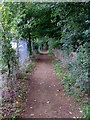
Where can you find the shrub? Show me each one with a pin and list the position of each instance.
(75, 76)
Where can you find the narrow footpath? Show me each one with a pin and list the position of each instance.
(45, 96)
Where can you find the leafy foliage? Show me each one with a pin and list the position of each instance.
(63, 26)
(74, 75)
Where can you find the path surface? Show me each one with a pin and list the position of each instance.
(45, 98)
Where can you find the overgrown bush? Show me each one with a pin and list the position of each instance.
(74, 75)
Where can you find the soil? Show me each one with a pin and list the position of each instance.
(45, 97)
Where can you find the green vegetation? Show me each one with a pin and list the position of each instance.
(74, 77)
(18, 94)
(49, 26)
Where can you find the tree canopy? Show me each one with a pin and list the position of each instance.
(60, 25)
(67, 24)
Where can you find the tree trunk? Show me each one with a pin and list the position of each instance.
(29, 44)
(8, 68)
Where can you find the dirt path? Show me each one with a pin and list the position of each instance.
(45, 98)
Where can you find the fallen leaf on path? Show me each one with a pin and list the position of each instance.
(48, 102)
(35, 100)
(70, 112)
(31, 114)
(74, 117)
(56, 94)
(55, 111)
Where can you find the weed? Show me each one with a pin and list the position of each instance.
(75, 76)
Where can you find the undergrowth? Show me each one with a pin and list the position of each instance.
(74, 77)
(13, 105)
(50, 52)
